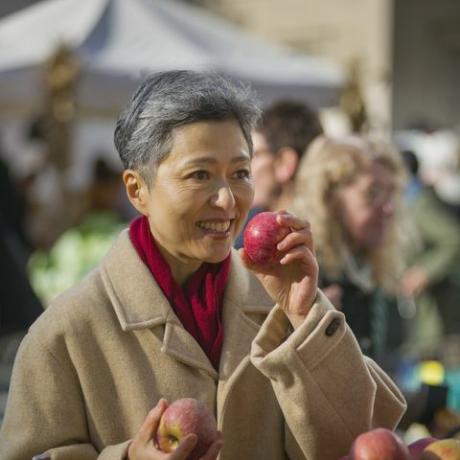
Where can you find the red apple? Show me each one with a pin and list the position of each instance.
(378, 444)
(416, 448)
(444, 449)
(261, 236)
(183, 417)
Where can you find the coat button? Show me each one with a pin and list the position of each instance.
(333, 326)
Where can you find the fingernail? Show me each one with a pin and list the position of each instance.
(161, 403)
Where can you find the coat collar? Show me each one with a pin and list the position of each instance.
(140, 304)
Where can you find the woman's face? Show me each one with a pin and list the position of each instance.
(201, 193)
(366, 206)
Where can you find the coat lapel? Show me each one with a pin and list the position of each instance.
(177, 342)
(139, 303)
(244, 297)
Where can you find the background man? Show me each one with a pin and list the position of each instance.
(280, 139)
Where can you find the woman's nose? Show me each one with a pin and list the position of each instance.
(223, 197)
(388, 208)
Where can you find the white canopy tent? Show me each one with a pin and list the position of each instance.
(117, 41)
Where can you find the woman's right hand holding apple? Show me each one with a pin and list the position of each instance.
(292, 281)
(143, 447)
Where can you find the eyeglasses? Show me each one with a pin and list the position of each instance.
(378, 195)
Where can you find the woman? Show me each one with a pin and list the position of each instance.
(350, 189)
(172, 312)
(430, 278)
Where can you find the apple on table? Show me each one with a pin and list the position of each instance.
(416, 448)
(379, 444)
(443, 449)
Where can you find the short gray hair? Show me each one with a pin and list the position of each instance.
(167, 100)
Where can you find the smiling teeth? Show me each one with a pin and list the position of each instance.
(215, 226)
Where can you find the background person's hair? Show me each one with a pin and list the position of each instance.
(167, 100)
(291, 124)
(329, 164)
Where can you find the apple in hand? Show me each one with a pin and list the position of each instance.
(444, 449)
(183, 417)
(261, 236)
(378, 444)
(416, 448)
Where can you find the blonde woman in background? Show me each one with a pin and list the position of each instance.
(350, 189)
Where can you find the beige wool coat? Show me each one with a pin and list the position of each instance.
(100, 357)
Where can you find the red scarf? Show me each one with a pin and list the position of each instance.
(198, 305)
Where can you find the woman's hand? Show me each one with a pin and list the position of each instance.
(143, 447)
(292, 283)
(413, 282)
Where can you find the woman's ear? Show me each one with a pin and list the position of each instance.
(136, 190)
(286, 163)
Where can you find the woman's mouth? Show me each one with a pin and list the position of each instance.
(215, 227)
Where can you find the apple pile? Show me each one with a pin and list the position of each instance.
(182, 417)
(261, 236)
(383, 444)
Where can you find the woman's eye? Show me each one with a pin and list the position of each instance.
(243, 174)
(200, 175)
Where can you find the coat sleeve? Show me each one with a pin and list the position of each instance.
(326, 388)
(45, 415)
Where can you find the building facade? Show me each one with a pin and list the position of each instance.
(407, 51)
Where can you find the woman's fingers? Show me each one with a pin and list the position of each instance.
(290, 220)
(297, 253)
(296, 248)
(151, 422)
(143, 441)
(301, 254)
(147, 433)
(297, 238)
(213, 450)
(184, 448)
(300, 234)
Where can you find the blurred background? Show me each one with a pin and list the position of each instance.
(386, 68)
